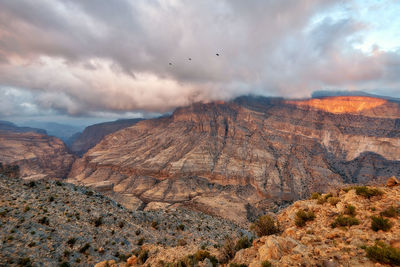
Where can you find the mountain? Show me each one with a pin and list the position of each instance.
(9, 126)
(240, 158)
(321, 94)
(81, 143)
(62, 131)
(37, 155)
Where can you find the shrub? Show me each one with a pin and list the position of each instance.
(242, 243)
(321, 200)
(181, 227)
(44, 220)
(24, 262)
(350, 210)
(266, 264)
(65, 264)
(98, 221)
(228, 250)
(51, 199)
(344, 221)
(26, 209)
(383, 253)
(71, 242)
(84, 248)
(58, 183)
(315, 195)
(265, 225)
(140, 241)
(367, 192)
(143, 256)
(380, 223)
(390, 212)
(121, 224)
(237, 265)
(154, 224)
(201, 255)
(302, 217)
(333, 201)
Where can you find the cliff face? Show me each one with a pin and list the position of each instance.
(37, 155)
(250, 150)
(81, 143)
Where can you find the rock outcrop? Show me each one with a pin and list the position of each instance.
(37, 155)
(82, 142)
(253, 150)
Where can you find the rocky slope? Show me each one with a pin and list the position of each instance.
(93, 134)
(47, 223)
(241, 157)
(316, 242)
(37, 155)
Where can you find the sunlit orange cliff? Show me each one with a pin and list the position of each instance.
(341, 104)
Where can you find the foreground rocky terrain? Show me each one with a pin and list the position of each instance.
(238, 159)
(48, 223)
(356, 226)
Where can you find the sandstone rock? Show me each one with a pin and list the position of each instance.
(132, 261)
(38, 155)
(395, 243)
(392, 181)
(275, 247)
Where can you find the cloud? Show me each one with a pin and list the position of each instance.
(100, 57)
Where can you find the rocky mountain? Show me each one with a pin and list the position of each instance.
(60, 130)
(9, 126)
(239, 158)
(37, 155)
(48, 223)
(81, 143)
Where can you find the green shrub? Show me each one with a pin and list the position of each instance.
(380, 223)
(315, 195)
(265, 225)
(367, 192)
(302, 217)
(383, 253)
(24, 262)
(333, 201)
(321, 200)
(65, 264)
(180, 227)
(154, 224)
(242, 243)
(390, 212)
(350, 210)
(266, 264)
(344, 221)
(228, 250)
(237, 265)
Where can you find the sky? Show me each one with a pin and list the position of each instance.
(79, 61)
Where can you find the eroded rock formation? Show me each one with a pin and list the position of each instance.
(37, 155)
(250, 150)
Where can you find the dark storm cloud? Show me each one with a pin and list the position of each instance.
(80, 57)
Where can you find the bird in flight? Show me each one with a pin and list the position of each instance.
(170, 64)
(190, 58)
(217, 54)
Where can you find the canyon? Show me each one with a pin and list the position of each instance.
(247, 156)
